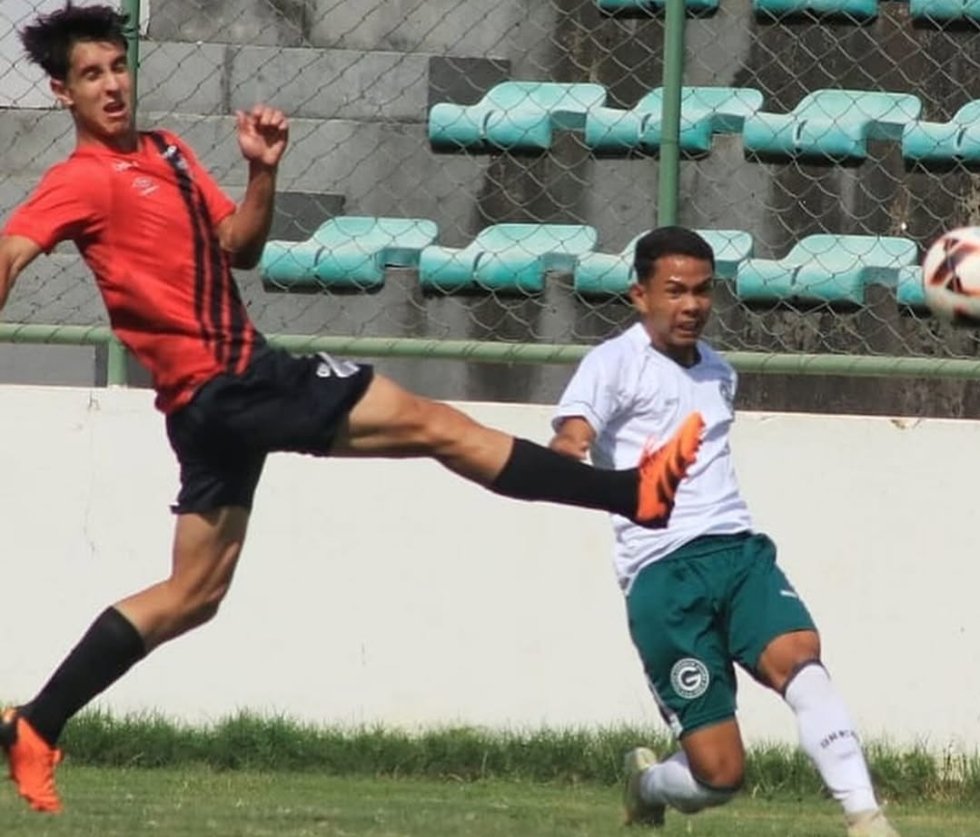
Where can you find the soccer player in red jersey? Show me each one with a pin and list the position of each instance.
(161, 239)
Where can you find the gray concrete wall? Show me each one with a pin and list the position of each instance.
(464, 28)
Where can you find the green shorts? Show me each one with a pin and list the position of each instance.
(716, 601)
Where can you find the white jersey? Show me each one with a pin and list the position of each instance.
(630, 392)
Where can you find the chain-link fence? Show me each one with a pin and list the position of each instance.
(362, 79)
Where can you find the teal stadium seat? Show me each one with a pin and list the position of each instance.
(610, 274)
(705, 111)
(347, 252)
(826, 268)
(832, 124)
(909, 290)
(854, 9)
(944, 10)
(516, 115)
(509, 258)
(626, 7)
(945, 142)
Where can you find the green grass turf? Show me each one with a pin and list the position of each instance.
(120, 802)
(274, 744)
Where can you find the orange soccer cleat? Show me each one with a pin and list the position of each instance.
(662, 469)
(32, 761)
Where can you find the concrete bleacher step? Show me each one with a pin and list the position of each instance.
(306, 83)
(643, 8)
(456, 28)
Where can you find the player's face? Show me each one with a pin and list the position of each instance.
(98, 90)
(674, 302)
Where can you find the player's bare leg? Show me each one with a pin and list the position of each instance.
(389, 421)
(205, 553)
(706, 772)
(206, 550)
(716, 755)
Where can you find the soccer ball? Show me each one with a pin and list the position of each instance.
(951, 276)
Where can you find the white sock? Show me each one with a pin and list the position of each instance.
(671, 783)
(828, 737)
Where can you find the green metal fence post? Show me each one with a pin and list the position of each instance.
(132, 8)
(117, 373)
(673, 80)
(116, 355)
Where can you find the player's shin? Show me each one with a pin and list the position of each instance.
(533, 472)
(110, 647)
(828, 737)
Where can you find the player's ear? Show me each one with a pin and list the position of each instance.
(60, 90)
(638, 296)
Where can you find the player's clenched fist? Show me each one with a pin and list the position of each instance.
(262, 134)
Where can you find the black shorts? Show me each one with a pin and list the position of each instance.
(280, 403)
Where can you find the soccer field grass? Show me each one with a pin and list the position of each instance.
(198, 801)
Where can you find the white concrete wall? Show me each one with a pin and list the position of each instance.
(374, 591)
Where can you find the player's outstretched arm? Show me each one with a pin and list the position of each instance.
(574, 438)
(16, 252)
(263, 134)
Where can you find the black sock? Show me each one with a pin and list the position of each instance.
(110, 647)
(534, 472)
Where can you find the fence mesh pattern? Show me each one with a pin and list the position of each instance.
(800, 118)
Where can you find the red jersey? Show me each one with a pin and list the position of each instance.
(146, 224)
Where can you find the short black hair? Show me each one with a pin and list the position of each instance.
(49, 39)
(669, 241)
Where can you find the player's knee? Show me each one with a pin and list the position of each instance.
(207, 608)
(199, 604)
(191, 612)
(724, 778)
(438, 427)
(706, 796)
(719, 770)
(786, 655)
(414, 422)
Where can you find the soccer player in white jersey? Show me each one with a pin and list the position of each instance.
(704, 593)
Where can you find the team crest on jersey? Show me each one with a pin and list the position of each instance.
(690, 678)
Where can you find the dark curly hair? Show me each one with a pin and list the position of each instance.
(669, 241)
(49, 39)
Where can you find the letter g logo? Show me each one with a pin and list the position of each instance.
(690, 678)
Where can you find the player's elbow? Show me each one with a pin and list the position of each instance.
(242, 245)
(245, 259)
(8, 273)
(572, 448)
(242, 255)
